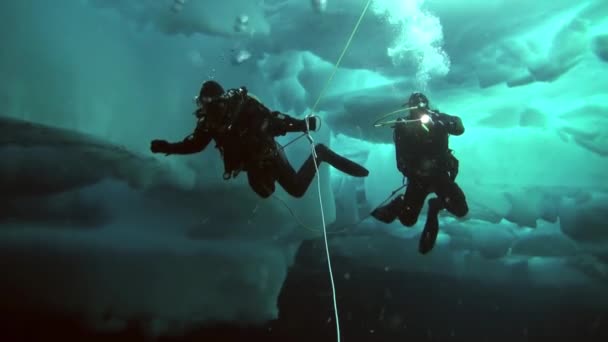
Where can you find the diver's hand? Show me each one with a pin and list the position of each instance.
(312, 123)
(426, 120)
(437, 119)
(159, 146)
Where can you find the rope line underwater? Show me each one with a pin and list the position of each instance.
(314, 152)
(331, 274)
(350, 39)
(377, 123)
(380, 123)
(340, 229)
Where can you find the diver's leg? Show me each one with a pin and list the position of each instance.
(296, 184)
(454, 200)
(407, 206)
(450, 197)
(261, 181)
(413, 201)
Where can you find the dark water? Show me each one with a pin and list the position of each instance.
(374, 305)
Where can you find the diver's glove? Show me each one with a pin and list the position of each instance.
(312, 123)
(160, 146)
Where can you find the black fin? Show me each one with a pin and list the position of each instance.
(389, 212)
(343, 164)
(431, 227)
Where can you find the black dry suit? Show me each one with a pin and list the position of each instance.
(244, 131)
(425, 159)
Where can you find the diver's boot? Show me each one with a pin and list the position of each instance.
(345, 165)
(389, 212)
(431, 227)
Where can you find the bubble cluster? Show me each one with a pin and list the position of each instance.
(419, 37)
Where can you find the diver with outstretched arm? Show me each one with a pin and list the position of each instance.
(244, 131)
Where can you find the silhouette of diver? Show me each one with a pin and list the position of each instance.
(244, 131)
(425, 159)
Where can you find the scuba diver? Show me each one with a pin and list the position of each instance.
(244, 131)
(425, 159)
